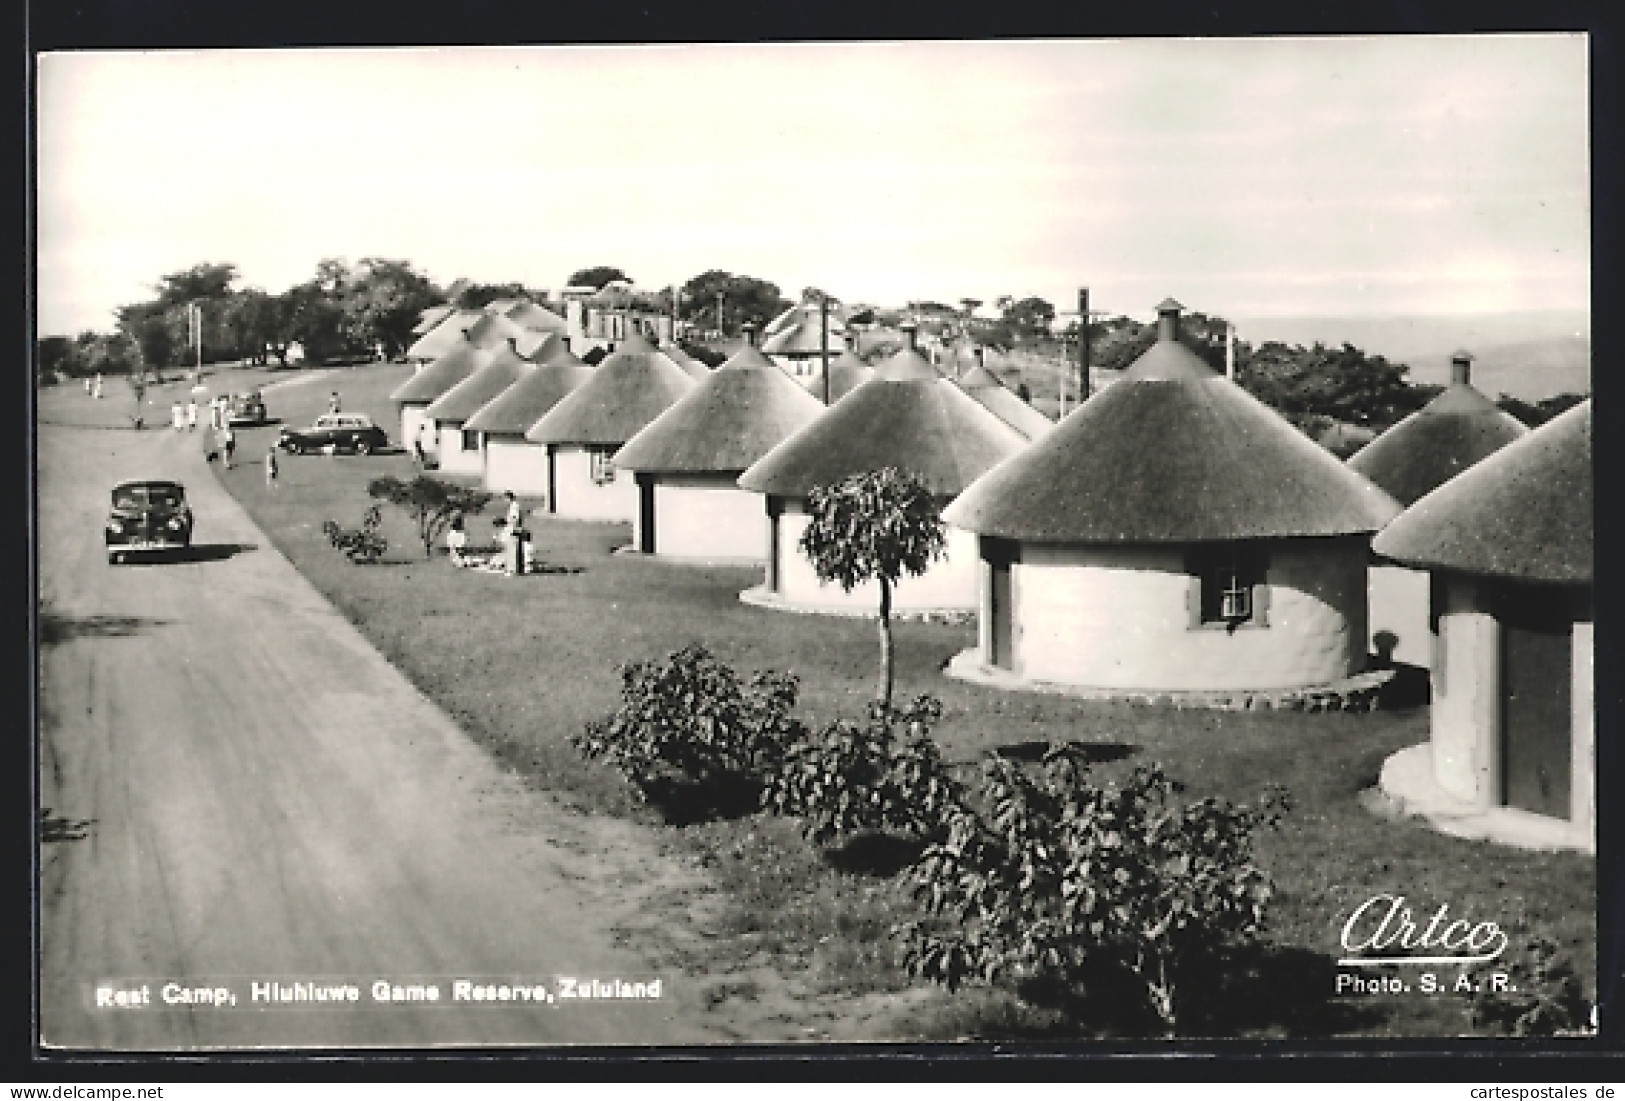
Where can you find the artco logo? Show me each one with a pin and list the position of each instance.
(1381, 931)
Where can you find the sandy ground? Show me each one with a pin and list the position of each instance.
(241, 790)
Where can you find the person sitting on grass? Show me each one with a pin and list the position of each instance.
(457, 543)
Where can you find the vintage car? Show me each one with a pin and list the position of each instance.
(147, 516)
(245, 409)
(334, 432)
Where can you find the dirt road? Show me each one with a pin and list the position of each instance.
(242, 792)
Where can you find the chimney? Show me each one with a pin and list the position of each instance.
(1461, 367)
(911, 332)
(1168, 319)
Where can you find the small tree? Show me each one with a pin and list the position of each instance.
(875, 526)
(431, 503)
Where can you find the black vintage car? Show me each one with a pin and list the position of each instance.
(147, 516)
(335, 432)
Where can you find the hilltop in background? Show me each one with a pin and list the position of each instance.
(1529, 355)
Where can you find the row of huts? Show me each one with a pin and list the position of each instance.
(1172, 534)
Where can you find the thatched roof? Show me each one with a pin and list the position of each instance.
(1522, 513)
(441, 375)
(430, 317)
(985, 387)
(1173, 453)
(695, 369)
(631, 387)
(905, 418)
(540, 319)
(445, 336)
(846, 373)
(505, 367)
(527, 401)
(493, 330)
(1452, 432)
(734, 416)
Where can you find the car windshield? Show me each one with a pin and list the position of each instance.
(165, 495)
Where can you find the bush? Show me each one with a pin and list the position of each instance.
(1543, 997)
(361, 545)
(886, 776)
(431, 504)
(692, 736)
(1065, 881)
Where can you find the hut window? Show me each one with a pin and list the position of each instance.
(1228, 587)
(471, 440)
(603, 471)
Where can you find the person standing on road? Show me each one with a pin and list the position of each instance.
(177, 415)
(333, 402)
(417, 450)
(191, 414)
(228, 444)
(270, 467)
(87, 386)
(96, 388)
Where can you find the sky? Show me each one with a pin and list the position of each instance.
(1244, 177)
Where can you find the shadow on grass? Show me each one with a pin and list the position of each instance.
(684, 802)
(55, 628)
(880, 855)
(59, 828)
(1093, 753)
(1259, 991)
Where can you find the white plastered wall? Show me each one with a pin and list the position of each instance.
(949, 584)
(1465, 714)
(1105, 617)
(580, 498)
(512, 464)
(1399, 607)
(453, 459)
(1583, 795)
(709, 517)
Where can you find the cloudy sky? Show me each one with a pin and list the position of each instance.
(1244, 177)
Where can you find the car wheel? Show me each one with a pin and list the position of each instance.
(363, 447)
(115, 558)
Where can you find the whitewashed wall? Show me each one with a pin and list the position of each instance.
(411, 420)
(1466, 708)
(580, 498)
(1583, 795)
(950, 584)
(709, 517)
(1118, 618)
(512, 464)
(453, 459)
(1399, 606)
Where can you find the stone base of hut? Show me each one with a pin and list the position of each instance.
(1408, 788)
(1360, 692)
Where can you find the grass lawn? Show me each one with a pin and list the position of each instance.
(522, 663)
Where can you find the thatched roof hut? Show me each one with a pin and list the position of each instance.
(528, 400)
(1458, 428)
(445, 335)
(847, 372)
(631, 387)
(985, 387)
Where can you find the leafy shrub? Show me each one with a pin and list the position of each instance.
(361, 545)
(692, 735)
(884, 776)
(430, 503)
(1543, 996)
(1064, 881)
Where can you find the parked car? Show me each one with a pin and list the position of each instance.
(245, 409)
(147, 516)
(337, 431)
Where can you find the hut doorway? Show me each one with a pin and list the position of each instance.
(1536, 704)
(646, 514)
(1001, 597)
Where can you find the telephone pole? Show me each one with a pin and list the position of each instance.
(823, 339)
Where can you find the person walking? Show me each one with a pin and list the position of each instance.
(417, 450)
(333, 402)
(87, 386)
(177, 415)
(191, 414)
(270, 468)
(228, 444)
(96, 388)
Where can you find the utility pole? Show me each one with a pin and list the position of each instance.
(1229, 351)
(1083, 345)
(721, 330)
(823, 339)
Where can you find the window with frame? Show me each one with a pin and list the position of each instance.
(471, 440)
(1229, 586)
(603, 470)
